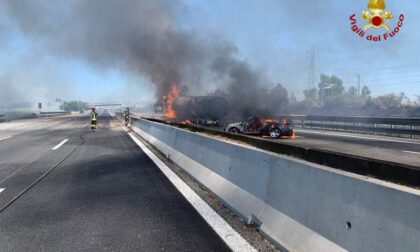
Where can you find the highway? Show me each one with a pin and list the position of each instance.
(399, 150)
(64, 187)
(394, 149)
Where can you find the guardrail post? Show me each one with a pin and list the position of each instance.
(412, 133)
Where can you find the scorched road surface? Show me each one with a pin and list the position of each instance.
(96, 192)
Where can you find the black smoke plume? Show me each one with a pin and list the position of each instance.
(144, 37)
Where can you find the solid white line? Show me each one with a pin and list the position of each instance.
(4, 138)
(219, 225)
(412, 152)
(2, 189)
(361, 137)
(60, 144)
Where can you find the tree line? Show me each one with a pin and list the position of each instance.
(73, 106)
(331, 97)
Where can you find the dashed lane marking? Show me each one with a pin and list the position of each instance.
(4, 138)
(2, 189)
(218, 224)
(60, 144)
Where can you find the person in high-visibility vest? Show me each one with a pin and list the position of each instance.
(93, 116)
(127, 116)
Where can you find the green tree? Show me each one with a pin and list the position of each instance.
(352, 92)
(73, 106)
(365, 94)
(310, 94)
(330, 86)
(390, 101)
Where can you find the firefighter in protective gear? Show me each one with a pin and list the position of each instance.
(93, 116)
(127, 116)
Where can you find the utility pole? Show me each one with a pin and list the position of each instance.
(311, 72)
(358, 89)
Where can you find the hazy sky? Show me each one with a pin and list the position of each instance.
(273, 36)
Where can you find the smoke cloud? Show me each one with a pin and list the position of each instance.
(9, 93)
(134, 35)
(246, 90)
(144, 37)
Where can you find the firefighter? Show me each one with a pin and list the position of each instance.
(127, 116)
(93, 116)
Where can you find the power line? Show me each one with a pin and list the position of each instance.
(395, 78)
(344, 70)
(391, 72)
(394, 84)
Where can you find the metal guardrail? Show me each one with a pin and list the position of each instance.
(50, 114)
(16, 115)
(402, 127)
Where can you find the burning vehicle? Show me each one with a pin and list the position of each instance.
(262, 127)
(201, 110)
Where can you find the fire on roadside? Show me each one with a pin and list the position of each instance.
(293, 136)
(187, 122)
(282, 123)
(169, 99)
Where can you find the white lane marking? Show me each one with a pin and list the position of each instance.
(412, 152)
(219, 225)
(4, 138)
(360, 137)
(2, 189)
(60, 144)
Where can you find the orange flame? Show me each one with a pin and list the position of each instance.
(187, 122)
(266, 120)
(169, 100)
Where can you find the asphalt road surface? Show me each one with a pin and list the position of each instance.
(64, 187)
(400, 150)
(394, 149)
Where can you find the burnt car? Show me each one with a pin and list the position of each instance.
(262, 127)
(203, 122)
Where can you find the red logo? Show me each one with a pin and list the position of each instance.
(377, 18)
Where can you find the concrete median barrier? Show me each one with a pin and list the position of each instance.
(300, 206)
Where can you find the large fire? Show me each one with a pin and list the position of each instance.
(169, 100)
(266, 120)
